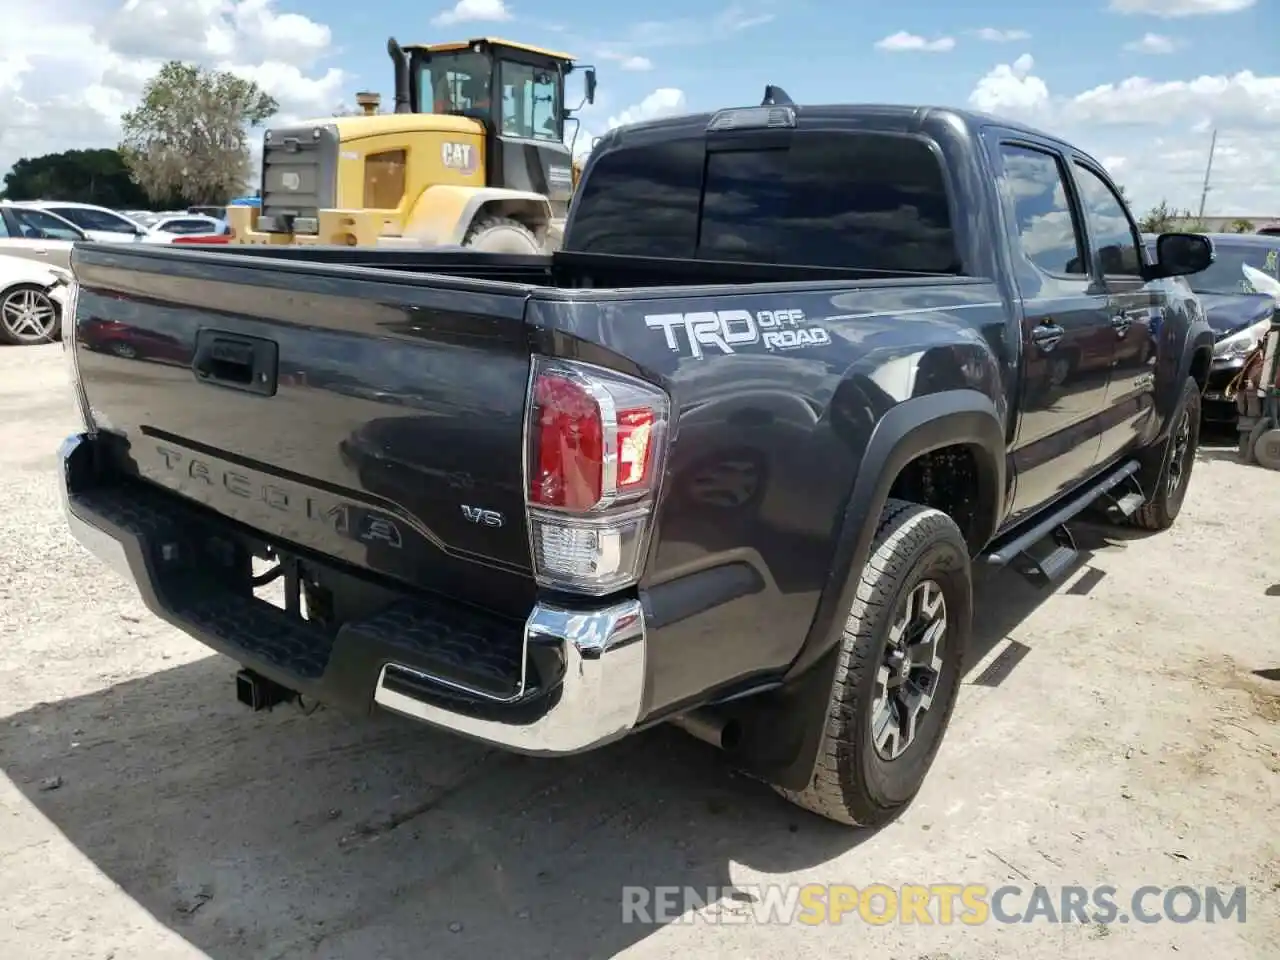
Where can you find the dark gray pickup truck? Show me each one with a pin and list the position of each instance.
(729, 458)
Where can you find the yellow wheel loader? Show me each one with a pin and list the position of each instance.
(474, 155)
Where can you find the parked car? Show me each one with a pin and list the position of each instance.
(166, 229)
(726, 460)
(99, 223)
(1238, 313)
(31, 301)
(37, 235)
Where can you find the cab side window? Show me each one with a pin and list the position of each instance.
(1034, 184)
(1114, 239)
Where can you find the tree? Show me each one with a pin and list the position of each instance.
(1163, 218)
(190, 133)
(81, 176)
(1242, 226)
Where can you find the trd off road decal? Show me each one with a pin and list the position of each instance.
(727, 331)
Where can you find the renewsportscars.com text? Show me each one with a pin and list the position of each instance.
(928, 904)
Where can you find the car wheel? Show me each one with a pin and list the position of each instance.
(126, 351)
(28, 315)
(1162, 507)
(900, 662)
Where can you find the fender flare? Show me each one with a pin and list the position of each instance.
(784, 744)
(443, 214)
(906, 431)
(1200, 338)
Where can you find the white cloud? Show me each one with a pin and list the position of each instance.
(1152, 43)
(470, 11)
(995, 35)
(903, 42)
(1157, 132)
(1010, 88)
(663, 102)
(626, 61)
(1171, 9)
(68, 70)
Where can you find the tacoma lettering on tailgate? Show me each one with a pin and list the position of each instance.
(348, 520)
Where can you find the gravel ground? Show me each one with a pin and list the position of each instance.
(145, 813)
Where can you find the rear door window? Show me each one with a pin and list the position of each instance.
(861, 200)
(1034, 184)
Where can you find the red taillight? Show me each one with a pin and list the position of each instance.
(568, 445)
(596, 442)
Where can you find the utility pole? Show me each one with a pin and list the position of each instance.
(1207, 170)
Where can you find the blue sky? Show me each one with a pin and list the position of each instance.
(1138, 83)
(824, 51)
(919, 51)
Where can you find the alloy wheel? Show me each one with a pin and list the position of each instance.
(912, 667)
(29, 315)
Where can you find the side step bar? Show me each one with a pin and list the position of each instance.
(1046, 552)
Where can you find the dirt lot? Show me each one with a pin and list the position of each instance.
(145, 813)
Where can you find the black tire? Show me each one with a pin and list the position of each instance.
(853, 783)
(22, 339)
(501, 235)
(1179, 457)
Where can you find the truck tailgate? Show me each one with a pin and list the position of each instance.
(371, 416)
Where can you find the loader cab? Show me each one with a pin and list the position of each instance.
(516, 91)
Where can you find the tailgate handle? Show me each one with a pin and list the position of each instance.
(236, 361)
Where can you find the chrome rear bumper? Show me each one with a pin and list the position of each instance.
(597, 697)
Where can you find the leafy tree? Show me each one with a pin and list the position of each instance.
(82, 176)
(1163, 218)
(190, 133)
(1242, 226)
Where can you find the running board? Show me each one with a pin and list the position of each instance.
(1046, 552)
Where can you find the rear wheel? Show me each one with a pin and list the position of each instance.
(901, 658)
(1165, 502)
(501, 235)
(28, 315)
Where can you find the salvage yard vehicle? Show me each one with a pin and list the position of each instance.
(32, 299)
(728, 459)
(474, 155)
(1239, 313)
(37, 235)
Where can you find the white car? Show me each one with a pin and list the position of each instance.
(32, 299)
(36, 235)
(99, 223)
(163, 229)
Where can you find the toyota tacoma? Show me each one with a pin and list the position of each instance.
(728, 459)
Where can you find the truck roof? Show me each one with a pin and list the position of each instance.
(905, 116)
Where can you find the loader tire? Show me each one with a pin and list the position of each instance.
(501, 235)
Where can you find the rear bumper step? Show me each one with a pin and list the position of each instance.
(568, 681)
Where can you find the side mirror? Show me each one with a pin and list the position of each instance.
(591, 84)
(1180, 254)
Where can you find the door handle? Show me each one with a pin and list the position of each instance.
(1047, 335)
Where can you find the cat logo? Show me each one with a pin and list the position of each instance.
(290, 180)
(462, 157)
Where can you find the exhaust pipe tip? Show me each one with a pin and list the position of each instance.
(721, 733)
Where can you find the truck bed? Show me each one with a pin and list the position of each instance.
(400, 391)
